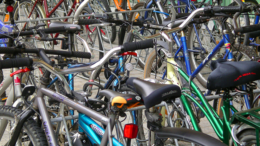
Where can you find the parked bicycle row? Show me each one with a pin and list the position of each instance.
(215, 45)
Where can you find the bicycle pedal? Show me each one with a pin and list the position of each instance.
(2, 101)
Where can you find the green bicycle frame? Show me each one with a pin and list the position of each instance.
(221, 128)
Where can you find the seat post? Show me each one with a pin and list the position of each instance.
(70, 41)
(226, 115)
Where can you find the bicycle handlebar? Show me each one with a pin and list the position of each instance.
(137, 45)
(11, 50)
(46, 30)
(126, 47)
(225, 9)
(247, 29)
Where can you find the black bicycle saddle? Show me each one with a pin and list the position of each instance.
(153, 93)
(67, 26)
(227, 74)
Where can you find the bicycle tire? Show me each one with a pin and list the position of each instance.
(187, 135)
(247, 136)
(35, 133)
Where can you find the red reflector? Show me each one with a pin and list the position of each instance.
(130, 131)
(10, 8)
(194, 0)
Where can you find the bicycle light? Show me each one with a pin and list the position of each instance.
(130, 131)
(129, 67)
(10, 8)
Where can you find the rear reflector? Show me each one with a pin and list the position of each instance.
(130, 131)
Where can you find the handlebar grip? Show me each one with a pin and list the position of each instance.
(247, 29)
(137, 45)
(88, 21)
(18, 62)
(8, 50)
(225, 9)
(69, 54)
(81, 54)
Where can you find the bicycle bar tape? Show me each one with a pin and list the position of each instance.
(247, 29)
(18, 62)
(88, 21)
(137, 45)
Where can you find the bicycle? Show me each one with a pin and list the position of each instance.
(209, 112)
(85, 114)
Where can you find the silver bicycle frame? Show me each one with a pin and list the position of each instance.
(14, 93)
(40, 104)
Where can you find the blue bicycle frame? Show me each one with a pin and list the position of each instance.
(93, 130)
(86, 124)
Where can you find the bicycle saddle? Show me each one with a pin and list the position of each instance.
(153, 93)
(67, 26)
(227, 74)
(110, 94)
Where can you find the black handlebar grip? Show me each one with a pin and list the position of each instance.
(225, 9)
(137, 45)
(81, 55)
(247, 29)
(18, 62)
(88, 21)
(8, 50)
(69, 54)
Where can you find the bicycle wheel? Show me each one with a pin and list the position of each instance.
(168, 136)
(100, 7)
(22, 11)
(193, 43)
(30, 135)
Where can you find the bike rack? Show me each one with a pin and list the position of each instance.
(246, 117)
